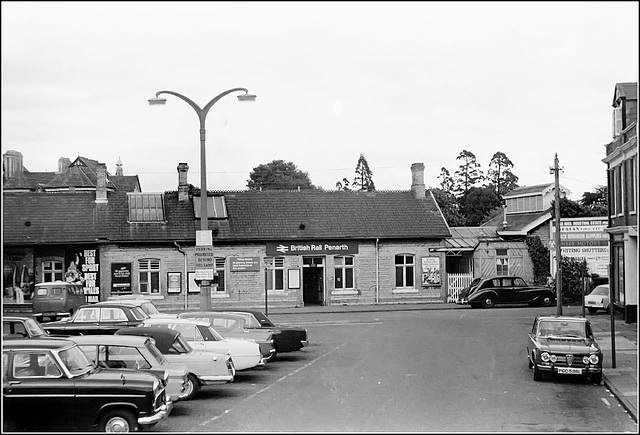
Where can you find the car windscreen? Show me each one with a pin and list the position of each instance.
(562, 328)
(600, 291)
(75, 360)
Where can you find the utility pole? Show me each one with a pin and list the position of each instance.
(555, 169)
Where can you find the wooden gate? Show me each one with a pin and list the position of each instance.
(455, 283)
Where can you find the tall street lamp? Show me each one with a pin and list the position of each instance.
(205, 239)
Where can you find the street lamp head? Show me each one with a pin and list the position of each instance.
(247, 97)
(157, 101)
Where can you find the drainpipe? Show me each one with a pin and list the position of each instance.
(186, 289)
(377, 271)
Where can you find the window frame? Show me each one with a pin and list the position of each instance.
(407, 269)
(274, 270)
(342, 270)
(146, 267)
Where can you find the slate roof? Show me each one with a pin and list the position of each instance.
(516, 221)
(66, 217)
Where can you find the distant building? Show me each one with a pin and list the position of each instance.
(622, 182)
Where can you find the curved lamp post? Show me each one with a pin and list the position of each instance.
(205, 289)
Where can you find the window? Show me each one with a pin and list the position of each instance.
(88, 315)
(220, 270)
(617, 119)
(404, 270)
(112, 315)
(343, 272)
(146, 207)
(633, 181)
(34, 365)
(51, 271)
(274, 273)
(149, 270)
(502, 262)
(216, 207)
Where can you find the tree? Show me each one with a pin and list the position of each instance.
(478, 204)
(449, 207)
(364, 175)
(597, 202)
(500, 175)
(278, 175)
(447, 182)
(468, 174)
(363, 179)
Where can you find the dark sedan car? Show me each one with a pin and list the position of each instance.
(49, 383)
(564, 345)
(21, 327)
(98, 318)
(506, 289)
(286, 338)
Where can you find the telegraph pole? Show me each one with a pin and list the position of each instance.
(555, 169)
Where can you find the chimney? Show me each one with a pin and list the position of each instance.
(101, 183)
(183, 186)
(63, 164)
(417, 180)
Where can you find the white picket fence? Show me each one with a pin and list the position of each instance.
(455, 283)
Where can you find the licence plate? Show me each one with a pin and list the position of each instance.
(569, 371)
(591, 302)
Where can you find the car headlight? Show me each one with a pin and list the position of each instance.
(553, 358)
(593, 359)
(545, 357)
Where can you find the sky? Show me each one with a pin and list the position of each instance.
(399, 82)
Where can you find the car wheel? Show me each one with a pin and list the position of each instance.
(592, 310)
(192, 387)
(596, 378)
(546, 301)
(537, 374)
(118, 420)
(488, 302)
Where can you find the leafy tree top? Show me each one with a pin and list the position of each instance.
(278, 175)
(468, 174)
(363, 179)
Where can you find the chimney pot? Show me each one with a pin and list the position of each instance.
(417, 180)
(183, 186)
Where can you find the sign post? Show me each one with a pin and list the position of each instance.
(205, 264)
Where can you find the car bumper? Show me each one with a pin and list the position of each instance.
(217, 379)
(555, 369)
(304, 343)
(462, 301)
(160, 415)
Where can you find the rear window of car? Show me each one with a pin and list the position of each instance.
(138, 313)
(600, 291)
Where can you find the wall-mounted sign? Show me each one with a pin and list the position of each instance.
(204, 257)
(584, 239)
(430, 271)
(120, 278)
(310, 248)
(174, 282)
(83, 266)
(244, 264)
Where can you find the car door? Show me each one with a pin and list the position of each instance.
(86, 321)
(507, 293)
(523, 291)
(112, 319)
(35, 385)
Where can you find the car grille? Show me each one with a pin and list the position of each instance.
(570, 360)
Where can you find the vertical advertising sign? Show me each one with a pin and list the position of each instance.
(120, 278)
(83, 266)
(585, 239)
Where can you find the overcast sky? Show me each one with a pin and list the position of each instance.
(400, 82)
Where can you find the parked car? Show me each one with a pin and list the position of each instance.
(146, 305)
(564, 345)
(98, 318)
(49, 383)
(56, 299)
(201, 336)
(204, 368)
(232, 325)
(598, 299)
(464, 293)
(135, 352)
(507, 289)
(21, 327)
(286, 338)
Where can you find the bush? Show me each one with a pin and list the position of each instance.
(574, 272)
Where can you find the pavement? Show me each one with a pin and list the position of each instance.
(621, 380)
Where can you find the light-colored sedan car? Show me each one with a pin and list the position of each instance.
(205, 368)
(202, 336)
(146, 305)
(135, 352)
(232, 325)
(598, 299)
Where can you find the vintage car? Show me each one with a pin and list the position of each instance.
(464, 293)
(564, 345)
(286, 338)
(598, 299)
(98, 318)
(49, 383)
(21, 327)
(507, 289)
(146, 305)
(232, 325)
(204, 368)
(201, 336)
(135, 352)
